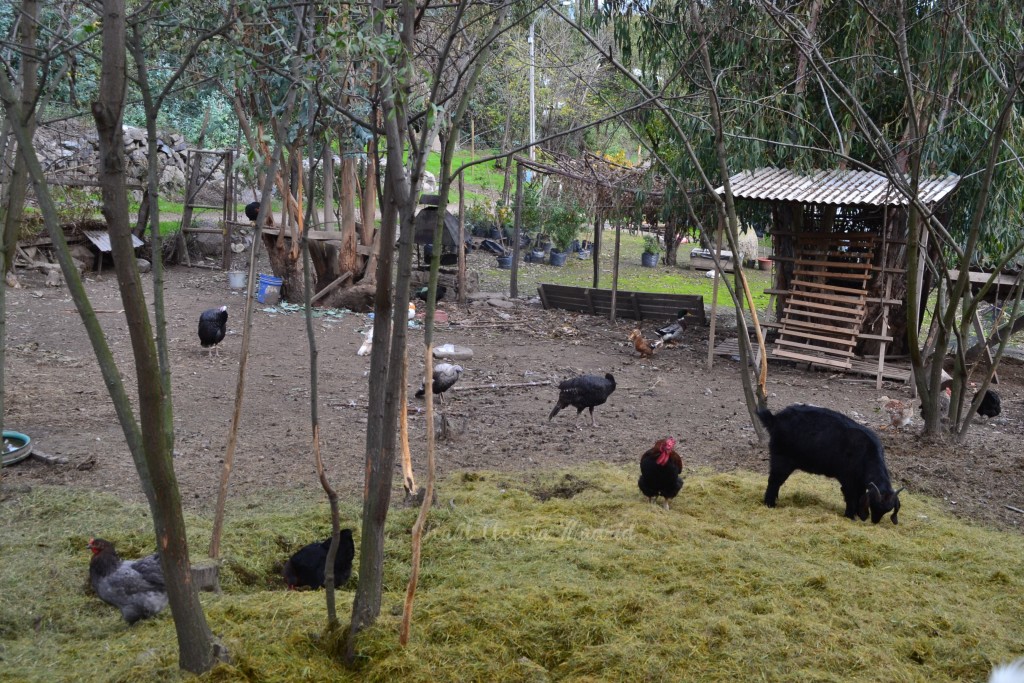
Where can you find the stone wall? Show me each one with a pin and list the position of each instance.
(71, 154)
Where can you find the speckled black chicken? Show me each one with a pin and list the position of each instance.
(136, 587)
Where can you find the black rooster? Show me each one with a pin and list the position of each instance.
(136, 587)
(445, 376)
(660, 468)
(213, 324)
(585, 391)
(308, 566)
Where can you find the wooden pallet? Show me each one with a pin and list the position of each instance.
(826, 302)
(635, 305)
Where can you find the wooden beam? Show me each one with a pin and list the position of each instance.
(615, 270)
(330, 288)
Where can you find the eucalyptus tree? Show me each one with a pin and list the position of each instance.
(908, 89)
(427, 79)
(939, 90)
(146, 436)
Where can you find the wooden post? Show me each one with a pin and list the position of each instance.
(714, 297)
(472, 139)
(328, 171)
(595, 249)
(885, 325)
(615, 269)
(514, 284)
(229, 196)
(461, 282)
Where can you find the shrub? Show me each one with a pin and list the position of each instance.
(563, 222)
(652, 244)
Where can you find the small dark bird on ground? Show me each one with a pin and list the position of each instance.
(252, 211)
(421, 293)
(660, 468)
(585, 391)
(990, 406)
(445, 377)
(213, 325)
(308, 566)
(136, 587)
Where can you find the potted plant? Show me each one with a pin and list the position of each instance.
(652, 250)
(563, 223)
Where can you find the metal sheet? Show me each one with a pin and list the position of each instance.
(832, 187)
(101, 238)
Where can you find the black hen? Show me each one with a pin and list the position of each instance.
(445, 376)
(308, 566)
(213, 325)
(252, 211)
(136, 587)
(585, 391)
(990, 404)
(421, 293)
(660, 468)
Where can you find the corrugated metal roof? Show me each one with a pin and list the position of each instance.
(832, 187)
(101, 238)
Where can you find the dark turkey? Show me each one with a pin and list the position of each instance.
(252, 211)
(990, 406)
(585, 391)
(213, 325)
(308, 566)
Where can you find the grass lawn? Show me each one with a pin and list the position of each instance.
(632, 276)
(601, 586)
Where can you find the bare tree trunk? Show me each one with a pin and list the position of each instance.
(348, 259)
(27, 30)
(195, 641)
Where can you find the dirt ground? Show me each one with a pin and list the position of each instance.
(56, 395)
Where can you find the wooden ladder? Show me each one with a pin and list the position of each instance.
(825, 307)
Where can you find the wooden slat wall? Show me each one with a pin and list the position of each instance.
(826, 303)
(649, 306)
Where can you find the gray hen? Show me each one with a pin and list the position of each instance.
(136, 587)
(445, 377)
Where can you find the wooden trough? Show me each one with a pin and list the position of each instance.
(633, 305)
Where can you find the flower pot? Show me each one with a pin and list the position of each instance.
(557, 258)
(648, 260)
(505, 262)
(764, 263)
(495, 234)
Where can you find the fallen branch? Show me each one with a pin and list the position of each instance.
(97, 310)
(1017, 510)
(513, 385)
(47, 458)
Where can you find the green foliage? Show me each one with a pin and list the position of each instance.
(478, 216)
(652, 245)
(76, 205)
(563, 221)
(706, 591)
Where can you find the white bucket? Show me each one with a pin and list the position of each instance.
(237, 278)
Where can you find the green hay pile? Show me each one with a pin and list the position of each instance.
(548, 577)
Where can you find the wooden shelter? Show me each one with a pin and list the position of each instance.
(840, 255)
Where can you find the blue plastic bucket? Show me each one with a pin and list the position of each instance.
(269, 289)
